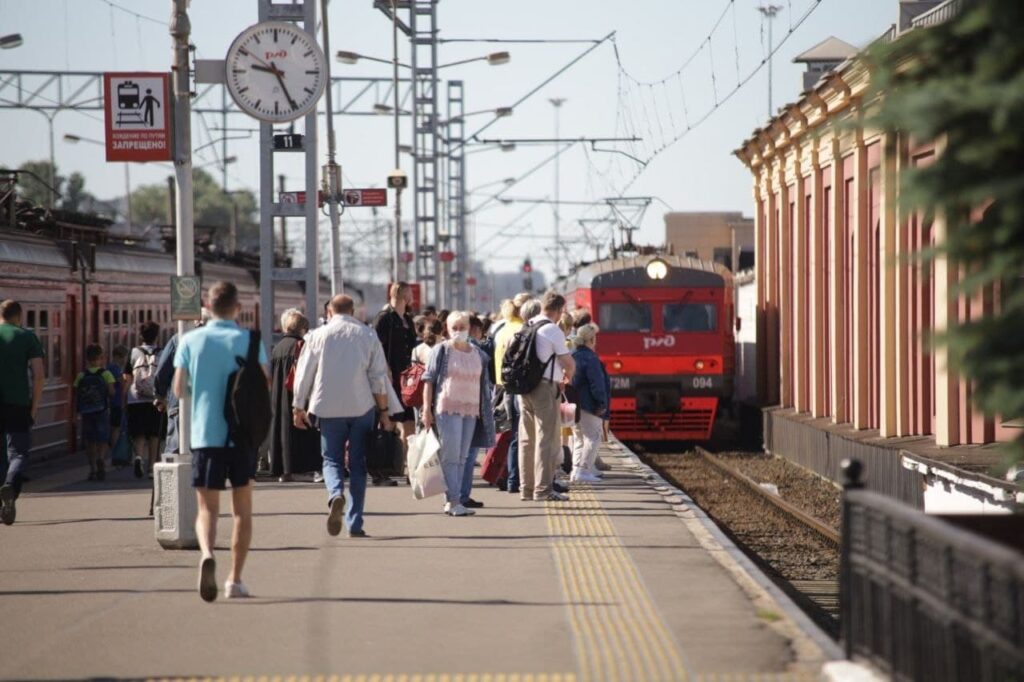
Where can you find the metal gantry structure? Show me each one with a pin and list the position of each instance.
(456, 194)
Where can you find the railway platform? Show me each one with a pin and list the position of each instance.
(624, 582)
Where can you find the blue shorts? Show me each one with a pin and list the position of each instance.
(213, 467)
(96, 427)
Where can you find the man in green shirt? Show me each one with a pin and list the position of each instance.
(20, 351)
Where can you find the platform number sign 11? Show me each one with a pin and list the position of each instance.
(275, 71)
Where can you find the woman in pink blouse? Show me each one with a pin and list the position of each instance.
(456, 394)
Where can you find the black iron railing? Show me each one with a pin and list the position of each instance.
(924, 600)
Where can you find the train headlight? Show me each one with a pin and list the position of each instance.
(699, 364)
(657, 269)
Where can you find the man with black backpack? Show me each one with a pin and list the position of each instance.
(224, 369)
(536, 363)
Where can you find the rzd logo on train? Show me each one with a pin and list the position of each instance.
(659, 342)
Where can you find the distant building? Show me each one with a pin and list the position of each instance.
(822, 58)
(724, 237)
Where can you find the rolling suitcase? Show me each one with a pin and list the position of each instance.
(495, 464)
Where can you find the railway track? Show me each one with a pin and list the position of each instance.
(800, 550)
(824, 530)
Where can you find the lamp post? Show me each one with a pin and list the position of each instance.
(75, 139)
(557, 103)
(769, 12)
(10, 41)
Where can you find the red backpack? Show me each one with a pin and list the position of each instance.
(289, 381)
(412, 385)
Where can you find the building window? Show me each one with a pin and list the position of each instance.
(624, 317)
(723, 255)
(691, 317)
(746, 259)
(692, 254)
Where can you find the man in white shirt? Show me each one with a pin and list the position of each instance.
(341, 379)
(540, 445)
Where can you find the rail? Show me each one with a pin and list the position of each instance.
(938, 14)
(803, 518)
(924, 600)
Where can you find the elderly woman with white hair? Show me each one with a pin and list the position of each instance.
(292, 450)
(457, 398)
(593, 394)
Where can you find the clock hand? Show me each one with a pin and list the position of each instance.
(280, 79)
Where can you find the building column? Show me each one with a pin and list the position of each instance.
(947, 384)
(902, 264)
(837, 306)
(888, 267)
(801, 314)
(760, 228)
(785, 307)
(771, 266)
(860, 260)
(819, 373)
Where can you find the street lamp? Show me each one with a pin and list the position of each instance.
(10, 41)
(493, 59)
(75, 139)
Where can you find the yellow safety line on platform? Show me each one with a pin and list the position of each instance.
(389, 677)
(619, 635)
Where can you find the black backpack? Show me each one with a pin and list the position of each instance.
(247, 402)
(521, 368)
(92, 393)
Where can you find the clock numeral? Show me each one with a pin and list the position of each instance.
(308, 90)
(307, 54)
(242, 50)
(275, 35)
(294, 38)
(257, 105)
(241, 90)
(314, 72)
(275, 108)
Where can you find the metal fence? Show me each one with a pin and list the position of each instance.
(924, 600)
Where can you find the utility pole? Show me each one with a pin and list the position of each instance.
(284, 221)
(557, 102)
(174, 508)
(331, 171)
(396, 264)
(769, 12)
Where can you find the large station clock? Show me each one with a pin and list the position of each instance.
(275, 71)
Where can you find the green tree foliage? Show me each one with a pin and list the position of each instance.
(213, 208)
(74, 195)
(35, 185)
(963, 82)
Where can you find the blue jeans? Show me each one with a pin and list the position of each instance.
(456, 433)
(335, 434)
(467, 474)
(16, 426)
(512, 406)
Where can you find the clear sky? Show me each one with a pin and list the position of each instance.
(654, 38)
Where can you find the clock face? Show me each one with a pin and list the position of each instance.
(276, 72)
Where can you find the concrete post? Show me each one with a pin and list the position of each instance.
(174, 503)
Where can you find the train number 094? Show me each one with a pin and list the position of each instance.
(703, 382)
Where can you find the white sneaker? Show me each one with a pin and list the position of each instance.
(318, 477)
(459, 510)
(552, 497)
(235, 590)
(587, 477)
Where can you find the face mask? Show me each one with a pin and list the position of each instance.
(462, 336)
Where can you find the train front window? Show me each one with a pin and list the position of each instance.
(624, 317)
(691, 317)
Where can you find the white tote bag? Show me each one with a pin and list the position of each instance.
(425, 465)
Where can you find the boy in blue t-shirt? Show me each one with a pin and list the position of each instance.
(94, 389)
(204, 361)
(119, 358)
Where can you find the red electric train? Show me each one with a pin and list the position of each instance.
(129, 286)
(666, 338)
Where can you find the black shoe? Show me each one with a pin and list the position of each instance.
(472, 504)
(101, 471)
(208, 579)
(513, 489)
(385, 482)
(357, 534)
(91, 476)
(558, 487)
(138, 467)
(502, 484)
(8, 512)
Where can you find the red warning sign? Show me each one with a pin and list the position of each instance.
(137, 111)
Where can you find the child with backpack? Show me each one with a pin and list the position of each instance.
(94, 390)
(145, 421)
